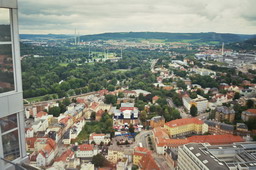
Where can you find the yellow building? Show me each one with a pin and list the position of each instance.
(180, 127)
(115, 154)
(139, 152)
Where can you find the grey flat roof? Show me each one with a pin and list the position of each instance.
(203, 155)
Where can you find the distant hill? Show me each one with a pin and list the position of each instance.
(44, 36)
(169, 37)
(249, 44)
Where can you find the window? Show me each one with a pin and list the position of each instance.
(10, 137)
(6, 59)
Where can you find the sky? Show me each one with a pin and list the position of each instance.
(99, 16)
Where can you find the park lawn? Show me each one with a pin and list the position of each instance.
(120, 70)
(35, 99)
(38, 98)
(63, 64)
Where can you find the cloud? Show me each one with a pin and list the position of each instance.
(97, 16)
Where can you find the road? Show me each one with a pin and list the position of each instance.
(153, 65)
(142, 138)
(170, 102)
(60, 99)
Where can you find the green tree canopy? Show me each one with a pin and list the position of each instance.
(193, 110)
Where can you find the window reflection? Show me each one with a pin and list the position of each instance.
(6, 68)
(5, 30)
(11, 145)
(9, 122)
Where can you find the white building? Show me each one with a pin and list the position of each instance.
(200, 102)
(86, 151)
(98, 138)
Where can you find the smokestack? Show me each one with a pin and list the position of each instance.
(222, 51)
(75, 36)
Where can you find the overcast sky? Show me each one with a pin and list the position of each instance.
(99, 16)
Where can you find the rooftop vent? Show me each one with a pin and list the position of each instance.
(205, 161)
(191, 148)
(198, 154)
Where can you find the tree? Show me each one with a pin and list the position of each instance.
(110, 99)
(99, 160)
(66, 101)
(120, 95)
(250, 104)
(55, 111)
(236, 96)
(143, 116)
(93, 115)
(193, 110)
(111, 87)
(131, 128)
(93, 142)
(181, 84)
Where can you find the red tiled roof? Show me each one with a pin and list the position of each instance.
(100, 112)
(216, 139)
(155, 98)
(140, 151)
(68, 154)
(80, 100)
(148, 163)
(85, 147)
(64, 120)
(185, 121)
(94, 105)
(41, 114)
(253, 111)
(31, 142)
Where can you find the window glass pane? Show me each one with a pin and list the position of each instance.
(6, 68)
(11, 145)
(8, 123)
(5, 29)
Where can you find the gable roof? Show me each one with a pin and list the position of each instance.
(85, 147)
(148, 163)
(184, 121)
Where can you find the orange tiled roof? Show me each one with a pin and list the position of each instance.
(68, 154)
(140, 151)
(94, 105)
(185, 121)
(64, 120)
(155, 98)
(41, 114)
(31, 142)
(148, 163)
(85, 147)
(216, 139)
(253, 111)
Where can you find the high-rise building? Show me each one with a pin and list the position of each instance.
(12, 135)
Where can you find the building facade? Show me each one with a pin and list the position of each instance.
(181, 127)
(200, 102)
(12, 131)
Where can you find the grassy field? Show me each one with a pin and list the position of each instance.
(38, 99)
(120, 70)
(63, 64)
